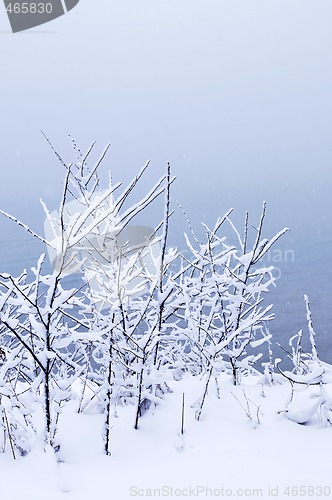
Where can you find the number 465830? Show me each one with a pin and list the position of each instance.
(29, 8)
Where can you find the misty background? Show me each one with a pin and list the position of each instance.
(235, 94)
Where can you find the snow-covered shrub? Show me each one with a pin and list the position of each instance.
(84, 235)
(223, 301)
(130, 320)
(142, 315)
(310, 379)
(33, 316)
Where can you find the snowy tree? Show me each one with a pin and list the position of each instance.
(308, 379)
(223, 292)
(33, 318)
(43, 317)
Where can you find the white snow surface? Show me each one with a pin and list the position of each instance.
(224, 452)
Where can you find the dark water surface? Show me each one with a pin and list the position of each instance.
(302, 257)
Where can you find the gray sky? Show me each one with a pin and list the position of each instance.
(232, 92)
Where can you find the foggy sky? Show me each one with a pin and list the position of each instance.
(233, 93)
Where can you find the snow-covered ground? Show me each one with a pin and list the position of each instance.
(225, 454)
